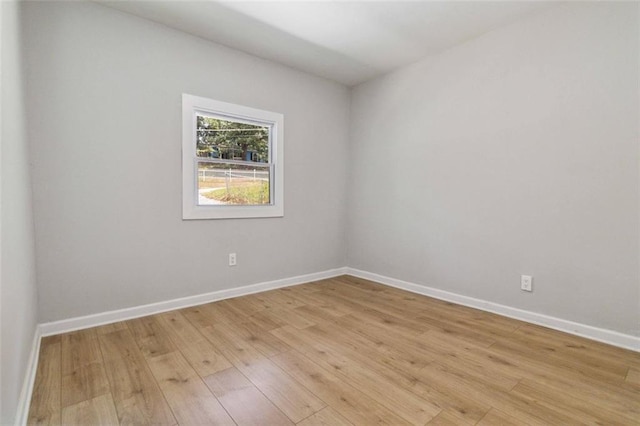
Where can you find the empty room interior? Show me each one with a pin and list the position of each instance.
(320, 213)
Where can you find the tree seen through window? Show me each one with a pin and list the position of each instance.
(232, 140)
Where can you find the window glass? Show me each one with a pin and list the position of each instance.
(231, 160)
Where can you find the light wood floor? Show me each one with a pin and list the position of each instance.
(334, 352)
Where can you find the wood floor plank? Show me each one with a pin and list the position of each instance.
(110, 328)
(45, 405)
(403, 357)
(282, 317)
(243, 401)
(373, 298)
(360, 372)
(346, 400)
(265, 302)
(85, 382)
(282, 299)
(201, 354)
(180, 330)
(49, 419)
(519, 365)
(50, 340)
(96, 411)
(151, 337)
(328, 304)
(429, 346)
(616, 396)
(461, 332)
(262, 321)
(224, 311)
(187, 395)
(389, 301)
(450, 418)
(289, 396)
(316, 315)
(249, 305)
(581, 363)
(441, 311)
(416, 304)
(633, 376)
(303, 289)
(199, 316)
(602, 394)
(455, 354)
(572, 344)
(498, 418)
(83, 375)
(365, 311)
(136, 394)
(526, 411)
(410, 375)
(231, 313)
(205, 358)
(325, 417)
(482, 333)
(400, 303)
(79, 348)
(579, 409)
(260, 339)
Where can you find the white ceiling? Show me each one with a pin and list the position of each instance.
(346, 41)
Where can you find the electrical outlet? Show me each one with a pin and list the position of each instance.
(526, 283)
(232, 259)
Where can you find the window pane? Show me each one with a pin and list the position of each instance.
(231, 140)
(233, 184)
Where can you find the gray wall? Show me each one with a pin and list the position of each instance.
(105, 99)
(515, 153)
(18, 303)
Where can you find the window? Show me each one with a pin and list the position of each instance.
(231, 160)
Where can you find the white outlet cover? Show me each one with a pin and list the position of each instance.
(526, 283)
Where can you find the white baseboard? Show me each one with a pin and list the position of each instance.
(24, 401)
(594, 333)
(602, 335)
(108, 317)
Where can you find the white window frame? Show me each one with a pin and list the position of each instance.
(191, 107)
